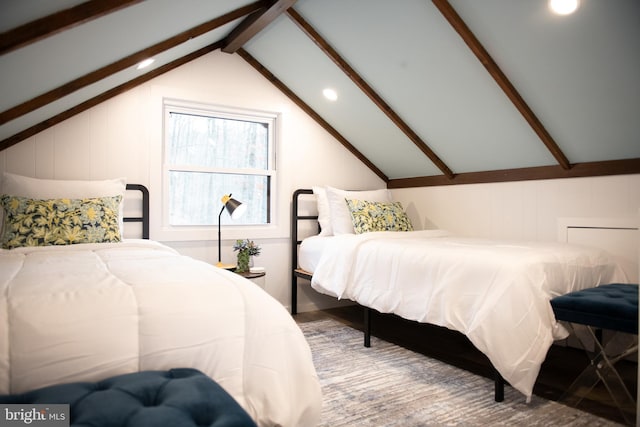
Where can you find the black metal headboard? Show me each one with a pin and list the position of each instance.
(297, 272)
(144, 219)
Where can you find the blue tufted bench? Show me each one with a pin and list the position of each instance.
(613, 307)
(177, 398)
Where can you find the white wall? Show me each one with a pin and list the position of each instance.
(520, 210)
(123, 137)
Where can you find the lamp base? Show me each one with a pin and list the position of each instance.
(226, 266)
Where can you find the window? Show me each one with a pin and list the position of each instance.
(210, 152)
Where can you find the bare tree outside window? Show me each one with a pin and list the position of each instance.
(211, 153)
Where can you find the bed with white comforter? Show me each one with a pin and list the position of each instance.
(89, 311)
(497, 293)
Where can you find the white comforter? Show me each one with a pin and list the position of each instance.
(496, 293)
(86, 312)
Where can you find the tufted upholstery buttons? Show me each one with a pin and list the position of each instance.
(178, 398)
(613, 306)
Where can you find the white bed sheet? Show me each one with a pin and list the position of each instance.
(87, 312)
(496, 293)
(311, 250)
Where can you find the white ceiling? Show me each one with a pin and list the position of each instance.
(579, 74)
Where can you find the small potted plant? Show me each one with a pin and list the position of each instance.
(246, 249)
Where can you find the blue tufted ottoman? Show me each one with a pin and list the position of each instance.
(177, 398)
(613, 307)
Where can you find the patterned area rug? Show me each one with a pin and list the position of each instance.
(388, 385)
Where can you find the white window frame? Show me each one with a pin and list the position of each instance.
(168, 232)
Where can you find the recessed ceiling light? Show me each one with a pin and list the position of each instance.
(563, 7)
(145, 63)
(330, 94)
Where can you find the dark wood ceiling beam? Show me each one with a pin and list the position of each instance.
(129, 61)
(310, 111)
(27, 133)
(255, 23)
(578, 170)
(505, 84)
(49, 25)
(368, 90)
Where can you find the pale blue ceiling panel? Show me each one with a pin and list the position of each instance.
(88, 92)
(294, 59)
(62, 57)
(579, 73)
(14, 13)
(413, 58)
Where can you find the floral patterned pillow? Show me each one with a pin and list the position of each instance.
(378, 216)
(33, 222)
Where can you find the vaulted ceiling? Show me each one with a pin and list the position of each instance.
(430, 92)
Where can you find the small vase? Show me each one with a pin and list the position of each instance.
(243, 262)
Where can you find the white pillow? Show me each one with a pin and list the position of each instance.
(341, 221)
(324, 212)
(35, 188)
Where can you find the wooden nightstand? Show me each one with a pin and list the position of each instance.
(257, 278)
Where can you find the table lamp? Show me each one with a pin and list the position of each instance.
(236, 210)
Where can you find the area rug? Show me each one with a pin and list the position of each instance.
(388, 385)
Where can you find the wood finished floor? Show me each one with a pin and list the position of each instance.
(560, 368)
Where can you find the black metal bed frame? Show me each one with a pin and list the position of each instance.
(298, 273)
(144, 219)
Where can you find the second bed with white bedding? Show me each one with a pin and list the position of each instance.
(497, 293)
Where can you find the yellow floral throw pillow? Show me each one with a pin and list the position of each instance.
(378, 216)
(32, 222)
